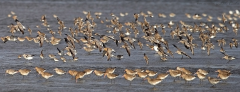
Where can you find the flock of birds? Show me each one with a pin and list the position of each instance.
(83, 35)
(130, 75)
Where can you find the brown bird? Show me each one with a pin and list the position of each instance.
(98, 73)
(151, 73)
(24, 72)
(184, 70)
(200, 76)
(223, 71)
(46, 75)
(11, 71)
(40, 70)
(213, 81)
(21, 39)
(202, 71)
(111, 76)
(228, 57)
(153, 82)
(110, 70)
(59, 71)
(146, 58)
(142, 74)
(88, 71)
(73, 72)
(80, 75)
(129, 77)
(130, 72)
(174, 73)
(187, 77)
(224, 76)
(140, 44)
(162, 76)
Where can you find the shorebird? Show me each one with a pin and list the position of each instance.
(24, 72)
(153, 82)
(51, 56)
(98, 73)
(224, 76)
(40, 70)
(29, 38)
(108, 52)
(73, 72)
(80, 75)
(202, 71)
(142, 74)
(130, 72)
(11, 71)
(187, 77)
(110, 70)
(129, 77)
(180, 52)
(227, 57)
(221, 41)
(10, 38)
(174, 73)
(146, 58)
(151, 73)
(28, 56)
(59, 71)
(88, 71)
(162, 76)
(46, 75)
(223, 71)
(21, 39)
(140, 44)
(111, 76)
(139, 70)
(222, 50)
(200, 76)
(213, 81)
(184, 70)
(63, 59)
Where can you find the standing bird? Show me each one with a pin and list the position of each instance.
(46, 75)
(80, 75)
(213, 81)
(40, 70)
(129, 77)
(24, 72)
(200, 76)
(98, 73)
(59, 71)
(153, 82)
(11, 71)
(111, 76)
(146, 58)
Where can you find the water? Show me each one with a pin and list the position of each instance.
(29, 13)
